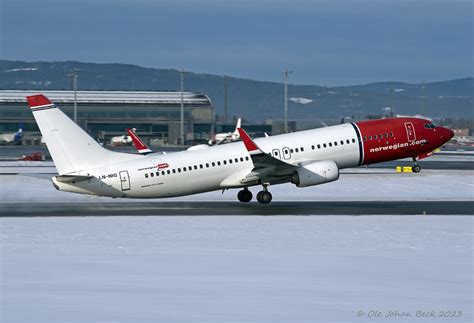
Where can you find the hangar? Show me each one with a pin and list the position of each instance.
(103, 114)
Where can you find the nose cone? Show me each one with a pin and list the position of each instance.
(446, 134)
(450, 133)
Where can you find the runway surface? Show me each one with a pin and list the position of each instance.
(235, 208)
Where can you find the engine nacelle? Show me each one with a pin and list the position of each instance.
(316, 173)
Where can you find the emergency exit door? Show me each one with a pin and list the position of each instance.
(124, 180)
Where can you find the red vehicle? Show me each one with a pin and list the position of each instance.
(36, 156)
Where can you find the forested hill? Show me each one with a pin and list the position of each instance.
(252, 99)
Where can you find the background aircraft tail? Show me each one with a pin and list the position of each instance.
(239, 122)
(71, 148)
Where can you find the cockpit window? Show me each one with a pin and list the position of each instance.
(429, 126)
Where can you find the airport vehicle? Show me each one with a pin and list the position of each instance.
(14, 138)
(35, 156)
(226, 137)
(304, 158)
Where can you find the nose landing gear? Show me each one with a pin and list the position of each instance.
(415, 168)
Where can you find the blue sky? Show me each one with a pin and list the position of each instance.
(327, 42)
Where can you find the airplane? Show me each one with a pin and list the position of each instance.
(12, 138)
(120, 140)
(225, 137)
(304, 158)
(143, 149)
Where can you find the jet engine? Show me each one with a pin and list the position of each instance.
(315, 173)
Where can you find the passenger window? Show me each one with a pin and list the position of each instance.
(375, 137)
(195, 167)
(207, 165)
(365, 138)
(179, 170)
(296, 150)
(386, 135)
(302, 149)
(347, 141)
(174, 171)
(342, 142)
(168, 171)
(312, 147)
(213, 164)
(230, 161)
(163, 172)
(184, 169)
(391, 134)
(201, 166)
(319, 146)
(353, 140)
(146, 175)
(157, 173)
(330, 144)
(218, 163)
(370, 137)
(291, 150)
(247, 158)
(324, 145)
(236, 160)
(151, 174)
(241, 159)
(335, 143)
(225, 162)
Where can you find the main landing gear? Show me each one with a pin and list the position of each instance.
(263, 197)
(244, 195)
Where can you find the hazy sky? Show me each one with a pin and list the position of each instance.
(332, 42)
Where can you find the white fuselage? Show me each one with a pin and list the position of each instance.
(215, 168)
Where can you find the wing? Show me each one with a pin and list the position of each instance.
(266, 167)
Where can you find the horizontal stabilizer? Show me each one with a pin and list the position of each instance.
(72, 178)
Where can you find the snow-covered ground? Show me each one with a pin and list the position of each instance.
(235, 269)
(359, 186)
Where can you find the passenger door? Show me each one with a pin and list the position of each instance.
(276, 153)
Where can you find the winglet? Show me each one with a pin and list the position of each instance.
(251, 146)
(138, 143)
(38, 101)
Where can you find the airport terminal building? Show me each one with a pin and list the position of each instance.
(104, 114)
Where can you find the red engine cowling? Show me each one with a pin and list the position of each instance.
(316, 173)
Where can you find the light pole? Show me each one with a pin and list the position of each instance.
(285, 80)
(226, 77)
(73, 75)
(181, 124)
(422, 97)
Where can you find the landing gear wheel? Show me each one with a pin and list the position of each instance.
(416, 168)
(244, 195)
(264, 197)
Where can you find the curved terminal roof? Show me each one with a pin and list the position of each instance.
(112, 97)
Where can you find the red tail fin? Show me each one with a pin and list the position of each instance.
(38, 101)
(138, 143)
